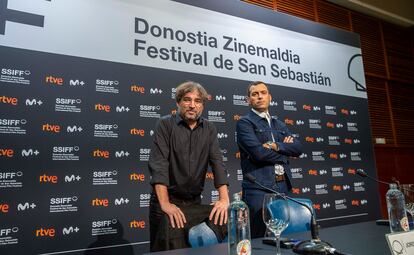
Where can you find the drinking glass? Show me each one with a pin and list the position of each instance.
(276, 215)
(408, 191)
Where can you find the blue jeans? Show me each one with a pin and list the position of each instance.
(254, 200)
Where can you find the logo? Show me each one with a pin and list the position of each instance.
(330, 110)
(72, 178)
(7, 153)
(74, 129)
(237, 155)
(356, 72)
(29, 152)
(100, 154)
(54, 80)
(138, 132)
(221, 135)
(51, 128)
(103, 107)
(48, 178)
(18, 17)
(313, 172)
(76, 83)
(321, 189)
(240, 100)
(317, 206)
(68, 105)
(137, 89)
(122, 108)
(121, 154)
(4, 208)
(351, 126)
(45, 232)
(107, 86)
(8, 231)
(100, 202)
(307, 107)
(70, 230)
(315, 124)
(104, 227)
(144, 200)
(137, 177)
(289, 122)
(121, 201)
(236, 117)
(217, 116)
(155, 91)
(333, 155)
(105, 178)
(9, 100)
(330, 124)
(12, 126)
(137, 224)
(305, 190)
(26, 206)
(289, 105)
(345, 111)
(209, 175)
(221, 98)
(33, 102)
(300, 122)
(310, 139)
(144, 154)
(65, 153)
(105, 130)
(296, 191)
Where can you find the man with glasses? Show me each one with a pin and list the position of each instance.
(184, 145)
(265, 145)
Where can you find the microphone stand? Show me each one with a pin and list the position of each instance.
(315, 246)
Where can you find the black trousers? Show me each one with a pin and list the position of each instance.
(164, 237)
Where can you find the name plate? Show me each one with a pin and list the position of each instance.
(401, 243)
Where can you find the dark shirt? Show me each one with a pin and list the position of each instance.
(180, 156)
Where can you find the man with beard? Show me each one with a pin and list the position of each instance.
(184, 145)
(265, 145)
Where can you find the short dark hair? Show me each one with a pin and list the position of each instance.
(190, 86)
(254, 84)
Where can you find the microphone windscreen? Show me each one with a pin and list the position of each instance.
(250, 178)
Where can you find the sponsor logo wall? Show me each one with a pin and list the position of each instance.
(76, 136)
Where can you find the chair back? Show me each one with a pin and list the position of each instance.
(300, 217)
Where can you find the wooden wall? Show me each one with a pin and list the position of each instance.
(388, 54)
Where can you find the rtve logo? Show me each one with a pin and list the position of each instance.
(48, 179)
(52, 128)
(45, 232)
(102, 107)
(54, 80)
(351, 171)
(313, 172)
(100, 202)
(138, 132)
(137, 224)
(6, 152)
(236, 117)
(355, 202)
(295, 190)
(307, 107)
(9, 100)
(310, 139)
(317, 206)
(348, 141)
(237, 155)
(289, 122)
(345, 111)
(330, 124)
(137, 89)
(18, 17)
(4, 208)
(100, 154)
(137, 177)
(333, 155)
(209, 175)
(337, 188)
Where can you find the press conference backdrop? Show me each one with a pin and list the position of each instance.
(84, 82)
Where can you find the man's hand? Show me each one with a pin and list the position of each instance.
(219, 212)
(177, 217)
(288, 139)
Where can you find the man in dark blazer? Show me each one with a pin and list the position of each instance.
(265, 145)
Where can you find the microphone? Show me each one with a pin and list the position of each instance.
(362, 173)
(309, 247)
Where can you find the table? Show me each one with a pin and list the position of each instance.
(365, 238)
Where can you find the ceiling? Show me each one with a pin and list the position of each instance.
(400, 12)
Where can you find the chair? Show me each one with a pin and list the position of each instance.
(300, 217)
